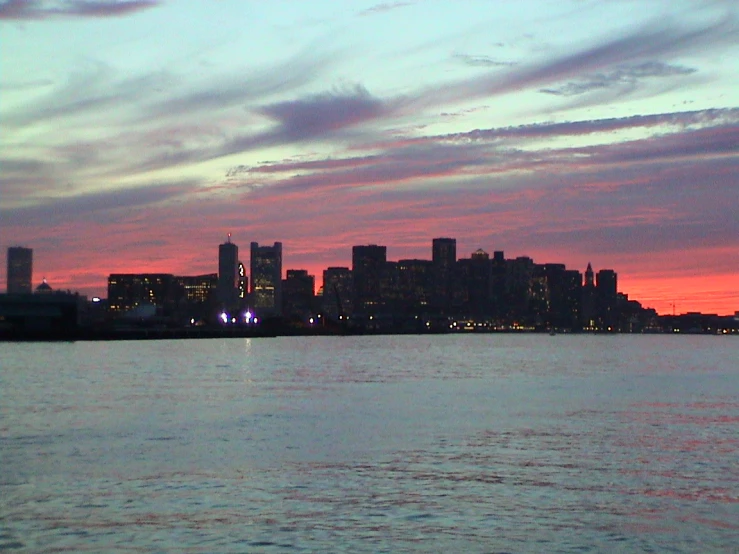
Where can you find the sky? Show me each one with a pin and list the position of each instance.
(135, 135)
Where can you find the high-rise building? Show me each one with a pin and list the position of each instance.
(443, 259)
(243, 282)
(20, 270)
(266, 278)
(338, 291)
(368, 264)
(197, 289)
(606, 293)
(415, 284)
(474, 284)
(128, 291)
(228, 274)
(298, 294)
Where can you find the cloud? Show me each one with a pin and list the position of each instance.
(623, 77)
(48, 9)
(481, 61)
(87, 91)
(636, 50)
(250, 84)
(327, 112)
(586, 127)
(384, 8)
(89, 206)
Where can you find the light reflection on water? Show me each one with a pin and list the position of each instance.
(497, 443)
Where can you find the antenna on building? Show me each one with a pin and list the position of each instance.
(229, 238)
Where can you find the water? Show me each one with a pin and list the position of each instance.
(484, 443)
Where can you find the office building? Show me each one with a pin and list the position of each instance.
(131, 291)
(606, 295)
(368, 264)
(243, 285)
(198, 289)
(298, 294)
(443, 259)
(228, 274)
(338, 292)
(20, 270)
(415, 285)
(266, 278)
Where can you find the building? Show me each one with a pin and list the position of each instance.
(228, 274)
(368, 265)
(606, 294)
(443, 259)
(298, 294)
(198, 289)
(243, 283)
(589, 313)
(474, 284)
(143, 293)
(20, 270)
(338, 292)
(266, 278)
(53, 315)
(415, 285)
(518, 281)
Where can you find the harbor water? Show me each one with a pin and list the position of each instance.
(445, 443)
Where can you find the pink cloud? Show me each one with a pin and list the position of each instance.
(48, 9)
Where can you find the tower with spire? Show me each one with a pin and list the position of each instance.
(589, 315)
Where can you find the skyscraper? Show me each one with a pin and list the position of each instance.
(606, 293)
(338, 291)
(298, 293)
(443, 259)
(368, 264)
(266, 278)
(228, 274)
(589, 315)
(20, 270)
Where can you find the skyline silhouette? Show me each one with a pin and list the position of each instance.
(602, 132)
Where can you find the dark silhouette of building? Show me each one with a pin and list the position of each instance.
(443, 258)
(228, 274)
(243, 285)
(266, 278)
(197, 298)
(298, 294)
(519, 276)
(368, 264)
(606, 299)
(131, 291)
(20, 270)
(198, 289)
(44, 288)
(498, 270)
(555, 297)
(338, 292)
(474, 280)
(48, 315)
(589, 311)
(415, 285)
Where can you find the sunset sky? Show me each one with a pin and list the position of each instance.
(136, 134)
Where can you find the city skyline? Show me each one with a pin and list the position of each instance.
(233, 285)
(573, 132)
